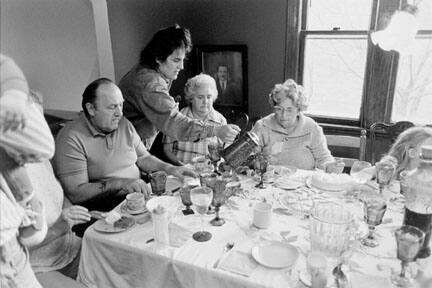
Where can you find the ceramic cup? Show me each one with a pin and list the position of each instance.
(262, 214)
(135, 201)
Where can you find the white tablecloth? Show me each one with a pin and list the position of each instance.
(126, 260)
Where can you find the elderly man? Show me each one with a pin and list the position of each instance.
(99, 155)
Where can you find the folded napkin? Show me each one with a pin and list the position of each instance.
(359, 280)
(178, 235)
(238, 262)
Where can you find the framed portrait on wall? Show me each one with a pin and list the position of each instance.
(227, 64)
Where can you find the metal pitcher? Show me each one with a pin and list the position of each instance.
(237, 152)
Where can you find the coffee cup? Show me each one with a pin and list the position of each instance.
(135, 201)
(262, 214)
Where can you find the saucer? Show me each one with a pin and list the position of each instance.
(125, 208)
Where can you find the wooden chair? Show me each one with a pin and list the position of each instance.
(388, 132)
(348, 148)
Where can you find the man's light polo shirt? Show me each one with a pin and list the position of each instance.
(80, 148)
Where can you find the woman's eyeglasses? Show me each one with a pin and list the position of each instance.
(280, 110)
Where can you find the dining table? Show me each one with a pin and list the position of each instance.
(131, 258)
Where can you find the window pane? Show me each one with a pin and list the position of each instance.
(424, 15)
(413, 93)
(333, 74)
(345, 14)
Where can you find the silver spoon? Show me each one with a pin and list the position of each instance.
(228, 247)
(340, 277)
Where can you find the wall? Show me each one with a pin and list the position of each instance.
(54, 43)
(260, 24)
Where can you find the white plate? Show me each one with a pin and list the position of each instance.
(288, 184)
(103, 226)
(309, 185)
(274, 254)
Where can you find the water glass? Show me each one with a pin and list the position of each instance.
(403, 182)
(374, 207)
(160, 222)
(186, 199)
(215, 150)
(409, 240)
(201, 198)
(158, 182)
(385, 171)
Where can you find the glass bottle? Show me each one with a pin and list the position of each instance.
(418, 198)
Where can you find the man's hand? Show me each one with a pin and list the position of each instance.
(181, 171)
(76, 215)
(12, 111)
(227, 133)
(135, 185)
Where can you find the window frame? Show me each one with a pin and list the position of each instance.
(381, 66)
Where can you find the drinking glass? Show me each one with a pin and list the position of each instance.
(330, 228)
(220, 195)
(201, 198)
(409, 240)
(214, 149)
(186, 199)
(374, 207)
(403, 182)
(260, 166)
(357, 171)
(385, 171)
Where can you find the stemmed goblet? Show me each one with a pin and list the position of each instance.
(385, 171)
(220, 195)
(214, 149)
(201, 198)
(374, 207)
(260, 166)
(186, 199)
(409, 240)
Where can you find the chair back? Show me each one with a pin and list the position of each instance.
(388, 133)
(348, 148)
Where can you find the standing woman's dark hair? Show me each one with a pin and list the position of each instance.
(89, 95)
(163, 44)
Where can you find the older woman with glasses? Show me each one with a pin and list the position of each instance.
(288, 136)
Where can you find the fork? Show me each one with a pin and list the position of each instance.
(228, 247)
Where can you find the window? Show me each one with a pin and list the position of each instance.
(413, 91)
(335, 36)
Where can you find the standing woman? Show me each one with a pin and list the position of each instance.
(148, 104)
